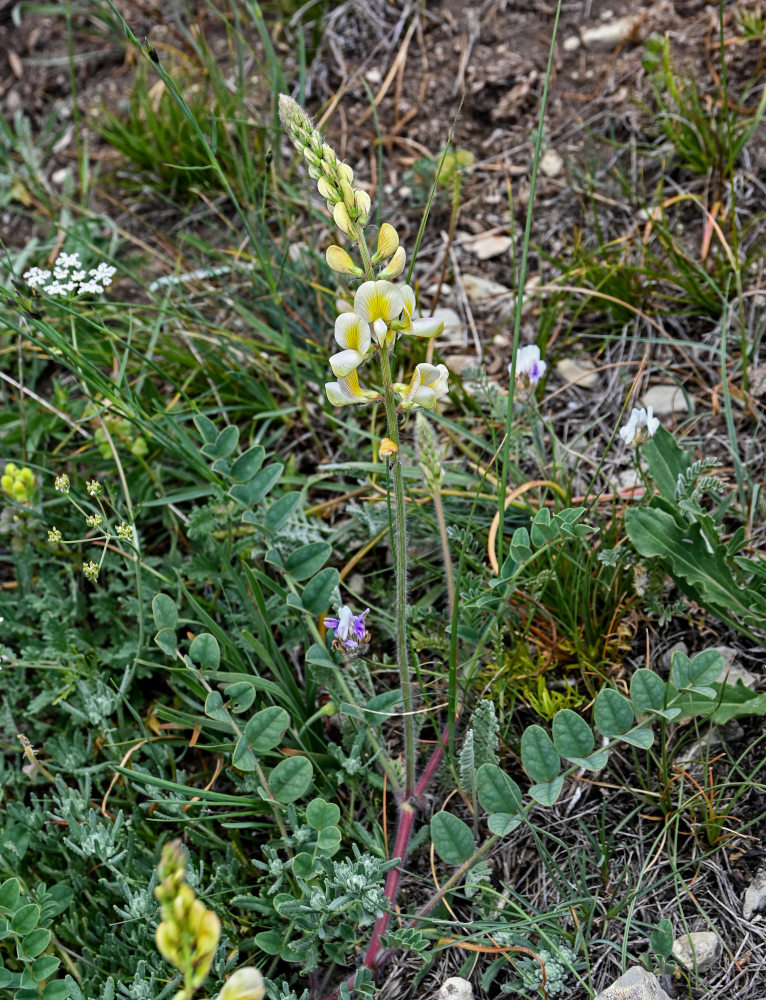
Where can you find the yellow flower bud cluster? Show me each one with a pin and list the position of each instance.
(334, 178)
(18, 483)
(189, 932)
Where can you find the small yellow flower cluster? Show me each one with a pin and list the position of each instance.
(189, 932)
(18, 483)
(382, 311)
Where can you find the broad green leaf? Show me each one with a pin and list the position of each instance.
(205, 652)
(308, 560)
(207, 429)
(641, 737)
(317, 592)
(57, 989)
(250, 493)
(320, 814)
(593, 762)
(520, 545)
(269, 941)
(243, 757)
(667, 461)
(167, 640)
(36, 942)
(503, 823)
(736, 701)
(266, 728)
(291, 778)
(497, 791)
(44, 967)
(25, 919)
(214, 707)
(241, 695)
(661, 939)
(647, 691)
(304, 865)
(165, 612)
(224, 444)
(453, 839)
(248, 464)
(547, 792)
(9, 893)
(706, 667)
(328, 841)
(612, 713)
(280, 511)
(539, 757)
(572, 736)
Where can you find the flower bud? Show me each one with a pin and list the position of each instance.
(342, 219)
(340, 261)
(395, 266)
(244, 984)
(363, 205)
(387, 448)
(345, 173)
(327, 191)
(388, 241)
(310, 156)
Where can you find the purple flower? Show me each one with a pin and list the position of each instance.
(351, 635)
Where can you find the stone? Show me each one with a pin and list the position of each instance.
(486, 293)
(755, 895)
(665, 400)
(578, 371)
(635, 984)
(734, 671)
(551, 163)
(571, 43)
(453, 334)
(355, 583)
(455, 988)
(458, 364)
(666, 659)
(608, 36)
(699, 950)
(486, 247)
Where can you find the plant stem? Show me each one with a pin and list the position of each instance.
(400, 571)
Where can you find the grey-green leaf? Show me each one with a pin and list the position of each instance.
(291, 778)
(572, 736)
(165, 611)
(612, 713)
(205, 652)
(497, 791)
(453, 839)
(539, 757)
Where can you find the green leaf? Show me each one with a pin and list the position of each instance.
(241, 695)
(328, 841)
(57, 989)
(205, 652)
(453, 840)
(167, 640)
(25, 919)
(520, 549)
(36, 942)
(291, 778)
(224, 444)
(503, 823)
(206, 427)
(44, 967)
(612, 713)
(248, 464)
(269, 941)
(243, 757)
(547, 792)
(321, 814)
(667, 461)
(661, 939)
(539, 757)
(304, 866)
(497, 791)
(214, 707)
(9, 893)
(572, 736)
(266, 728)
(704, 575)
(736, 701)
(165, 612)
(280, 511)
(308, 560)
(250, 493)
(647, 691)
(318, 591)
(641, 737)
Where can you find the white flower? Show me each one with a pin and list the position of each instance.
(427, 386)
(421, 326)
(103, 273)
(68, 260)
(530, 368)
(641, 425)
(35, 277)
(347, 390)
(352, 333)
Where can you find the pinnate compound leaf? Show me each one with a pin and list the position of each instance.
(453, 839)
(539, 757)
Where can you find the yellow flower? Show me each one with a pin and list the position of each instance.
(353, 335)
(427, 386)
(388, 243)
(422, 326)
(387, 448)
(342, 219)
(244, 984)
(395, 266)
(340, 261)
(347, 390)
